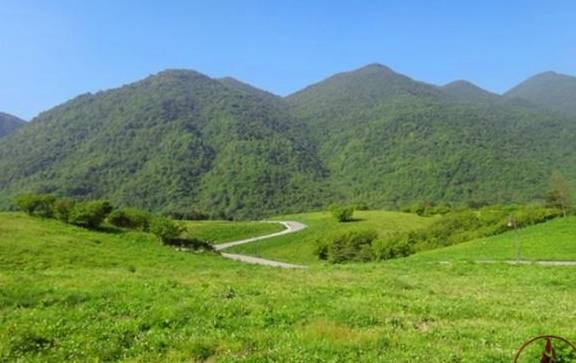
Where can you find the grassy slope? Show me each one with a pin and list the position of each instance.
(555, 240)
(224, 231)
(299, 247)
(72, 295)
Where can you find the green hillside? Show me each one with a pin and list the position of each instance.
(9, 124)
(176, 140)
(299, 247)
(550, 90)
(180, 141)
(555, 240)
(225, 231)
(73, 295)
(390, 140)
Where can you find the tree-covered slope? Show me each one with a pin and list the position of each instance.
(550, 90)
(9, 124)
(468, 92)
(387, 139)
(176, 140)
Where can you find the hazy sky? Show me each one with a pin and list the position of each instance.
(51, 51)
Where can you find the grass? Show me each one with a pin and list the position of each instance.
(225, 231)
(299, 247)
(555, 240)
(73, 295)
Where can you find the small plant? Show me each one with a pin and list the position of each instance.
(342, 213)
(90, 214)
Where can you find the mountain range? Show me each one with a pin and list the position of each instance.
(182, 141)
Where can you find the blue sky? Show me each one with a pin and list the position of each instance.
(51, 51)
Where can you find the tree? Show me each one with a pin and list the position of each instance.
(40, 205)
(90, 214)
(559, 193)
(166, 229)
(342, 213)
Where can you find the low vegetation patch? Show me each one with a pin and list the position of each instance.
(451, 228)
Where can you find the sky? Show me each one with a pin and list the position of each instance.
(54, 50)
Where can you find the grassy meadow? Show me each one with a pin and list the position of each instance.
(299, 247)
(554, 240)
(69, 294)
(225, 231)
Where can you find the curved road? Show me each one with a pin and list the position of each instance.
(291, 227)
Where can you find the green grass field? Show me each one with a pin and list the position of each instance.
(224, 231)
(555, 240)
(299, 247)
(68, 294)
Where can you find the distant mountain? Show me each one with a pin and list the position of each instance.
(179, 141)
(175, 141)
(9, 124)
(549, 90)
(388, 140)
(465, 91)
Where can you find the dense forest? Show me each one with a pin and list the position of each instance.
(9, 124)
(181, 142)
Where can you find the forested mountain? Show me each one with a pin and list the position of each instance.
(174, 141)
(551, 91)
(468, 92)
(181, 141)
(9, 124)
(387, 139)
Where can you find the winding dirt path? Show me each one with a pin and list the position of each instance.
(291, 227)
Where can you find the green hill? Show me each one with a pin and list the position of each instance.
(390, 140)
(69, 294)
(180, 140)
(176, 140)
(550, 90)
(299, 247)
(555, 240)
(9, 124)
(468, 92)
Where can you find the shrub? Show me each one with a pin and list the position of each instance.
(353, 246)
(130, 218)
(40, 205)
(342, 213)
(90, 214)
(62, 209)
(392, 246)
(166, 229)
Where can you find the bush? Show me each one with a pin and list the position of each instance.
(62, 209)
(40, 205)
(392, 246)
(130, 218)
(353, 246)
(90, 214)
(166, 229)
(342, 213)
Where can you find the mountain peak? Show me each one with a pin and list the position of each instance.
(463, 90)
(551, 90)
(9, 124)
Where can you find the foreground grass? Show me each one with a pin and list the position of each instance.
(225, 231)
(554, 240)
(299, 247)
(73, 295)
